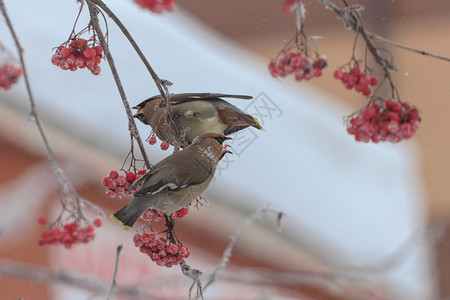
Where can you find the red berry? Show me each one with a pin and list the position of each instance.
(338, 74)
(89, 52)
(131, 177)
(42, 220)
(152, 140)
(164, 145)
(373, 81)
(97, 222)
(98, 50)
(113, 174)
(65, 52)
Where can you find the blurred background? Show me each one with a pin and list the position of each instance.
(369, 221)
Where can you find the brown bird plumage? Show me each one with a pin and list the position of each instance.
(176, 181)
(199, 113)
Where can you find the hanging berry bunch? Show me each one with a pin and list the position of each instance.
(69, 234)
(79, 53)
(392, 122)
(356, 79)
(162, 248)
(71, 226)
(117, 183)
(9, 70)
(295, 58)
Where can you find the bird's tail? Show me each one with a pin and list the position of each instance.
(257, 125)
(128, 215)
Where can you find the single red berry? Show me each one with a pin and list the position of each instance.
(152, 140)
(121, 181)
(131, 177)
(56, 59)
(42, 220)
(113, 174)
(105, 181)
(97, 222)
(373, 81)
(65, 52)
(89, 52)
(142, 172)
(98, 50)
(113, 184)
(96, 70)
(164, 145)
(89, 228)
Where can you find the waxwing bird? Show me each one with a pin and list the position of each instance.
(176, 181)
(193, 115)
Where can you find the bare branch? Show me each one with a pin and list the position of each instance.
(421, 52)
(93, 10)
(161, 84)
(114, 282)
(19, 270)
(232, 241)
(67, 186)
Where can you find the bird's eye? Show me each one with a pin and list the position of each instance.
(141, 117)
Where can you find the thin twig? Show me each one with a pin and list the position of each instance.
(93, 10)
(114, 282)
(405, 47)
(232, 241)
(161, 84)
(23, 271)
(194, 274)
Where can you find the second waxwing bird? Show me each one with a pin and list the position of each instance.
(176, 181)
(194, 115)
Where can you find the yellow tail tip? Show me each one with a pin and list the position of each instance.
(257, 123)
(114, 219)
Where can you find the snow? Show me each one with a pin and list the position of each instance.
(365, 200)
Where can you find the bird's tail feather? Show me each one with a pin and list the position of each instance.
(128, 215)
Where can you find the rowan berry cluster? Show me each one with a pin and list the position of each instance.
(154, 215)
(79, 54)
(393, 123)
(357, 80)
(302, 66)
(9, 75)
(69, 234)
(160, 250)
(156, 6)
(118, 183)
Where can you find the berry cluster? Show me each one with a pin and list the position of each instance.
(118, 183)
(154, 215)
(9, 75)
(160, 250)
(70, 234)
(156, 6)
(393, 123)
(78, 55)
(356, 79)
(302, 66)
(164, 145)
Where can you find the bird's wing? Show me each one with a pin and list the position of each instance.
(187, 97)
(173, 176)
